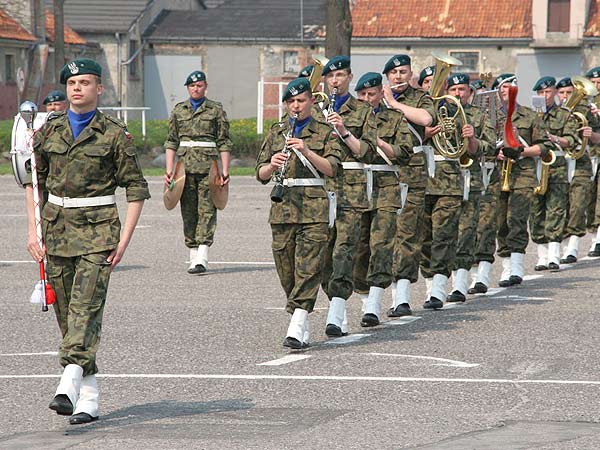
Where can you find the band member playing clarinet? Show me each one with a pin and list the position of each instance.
(82, 157)
(300, 152)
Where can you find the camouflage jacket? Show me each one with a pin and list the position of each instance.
(301, 204)
(583, 168)
(392, 128)
(485, 134)
(415, 174)
(595, 124)
(351, 185)
(559, 123)
(531, 128)
(207, 124)
(100, 159)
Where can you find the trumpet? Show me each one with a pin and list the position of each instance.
(279, 188)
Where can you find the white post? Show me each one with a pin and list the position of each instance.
(259, 108)
(280, 109)
(125, 115)
(144, 123)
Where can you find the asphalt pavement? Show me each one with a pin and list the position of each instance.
(197, 362)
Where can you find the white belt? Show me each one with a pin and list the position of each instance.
(204, 144)
(291, 182)
(353, 165)
(487, 169)
(442, 158)
(429, 156)
(369, 169)
(67, 202)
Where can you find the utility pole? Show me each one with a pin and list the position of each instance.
(339, 28)
(59, 38)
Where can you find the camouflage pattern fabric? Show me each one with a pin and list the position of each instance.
(409, 236)
(198, 211)
(580, 191)
(488, 221)
(513, 212)
(593, 208)
(467, 231)
(80, 284)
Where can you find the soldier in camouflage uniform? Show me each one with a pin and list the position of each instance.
(514, 203)
(594, 208)
(198, 135)
(356, 130)
(299, 221)
(443, 201)
(458, 86)
(373, 265)
(56, 101)
(548, 216)
(417, 108)
(82, 157)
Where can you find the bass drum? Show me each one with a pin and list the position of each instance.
(21, 146)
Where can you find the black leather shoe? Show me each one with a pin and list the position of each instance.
(369, 320)
(540, 267)
(80, 418)
(515, 279)
(198, 268)
(401, 310)
(456, 297)
(553, 267)
(62, 405)
(478, 288)
(332, 330)
(570, 259)
(595, 252)
(504, 283)
(293, 343)
(433, 303)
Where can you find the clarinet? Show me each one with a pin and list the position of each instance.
(279, 189)
(331, 101)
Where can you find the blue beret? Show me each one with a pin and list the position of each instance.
(593, 73)
(337, 63)
(81, 66)
(55, 96)
(426, 72)
(295, 87)
(307, 71)
(504, 78)
(368, 80)
(543, 83)
(396, 61)
(477, 84)
(194, 77)
(565, 82)
(458, 78)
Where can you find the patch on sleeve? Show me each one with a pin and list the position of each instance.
(128, 135)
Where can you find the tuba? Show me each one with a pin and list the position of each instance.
(547, 161)
(582, 88)
(315, 78)
(449, 141)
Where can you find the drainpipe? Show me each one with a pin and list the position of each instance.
(119, 72)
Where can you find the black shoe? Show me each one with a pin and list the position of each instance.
(478, 288)
(595, 252)
(332, 330)
(62, 405)
(540, 267)
(433, 303)
(198, 268)
(369, 320)
(504, 283)
(553, 267)
(570, 259)
(80, 418)
(456, 297)
(401, 310)
(515, 279)
(293, 343)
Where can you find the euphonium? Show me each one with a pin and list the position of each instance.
(315, 78)
(547, 161)
(279, 188)
(582, 88)
(449, 141)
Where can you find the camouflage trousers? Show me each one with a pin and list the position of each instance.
(409, 237)
(548, 216)
(440, 234)
(298, 252)
(373, 264)
(488, 224)
(198, 211)
(338, 266)
(579, 193)
(593, 208)
(467, 231)
(513, 213)
(80, 284)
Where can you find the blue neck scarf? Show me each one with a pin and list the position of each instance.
(300, 125)
(397, 95)
(79, 121)
(197, 103)
(376, 110)
(339, 101)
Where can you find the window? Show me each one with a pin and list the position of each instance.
(9, 68)
(470, 60)
(559, 16)
(290, 62)
(133, 65)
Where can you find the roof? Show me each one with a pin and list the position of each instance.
(101, 16)
(442, 19)
(592, 28)
(243, 20)
(10, 29)
(71, 37)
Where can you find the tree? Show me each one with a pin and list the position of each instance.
(59, 38)
(339, 28)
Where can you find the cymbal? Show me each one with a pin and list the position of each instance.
(172, 194)
(219, 194)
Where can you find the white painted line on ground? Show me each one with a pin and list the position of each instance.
(30, 354)
(285, 360)
(532, 277)
(245, 263)
(402, 320)
(318, 378)
(444, 361)
(491, 292)
(522, 297)
(143, 226)
(347, 339)
(452, 305)
(281, 308)
(17, 262)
